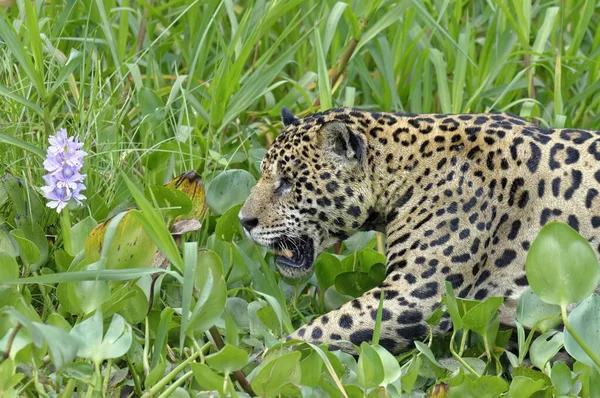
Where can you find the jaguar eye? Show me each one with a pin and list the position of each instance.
(283, 186)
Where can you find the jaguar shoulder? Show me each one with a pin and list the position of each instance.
(460, 197)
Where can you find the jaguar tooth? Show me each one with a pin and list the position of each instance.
(287, 253)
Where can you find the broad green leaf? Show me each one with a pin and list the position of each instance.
(412, 372)
(524, 387)
(130, 246)
(311, 370)
(478, 317)
(483, 387)
(327, 267)
(370, 370)
(545, 347)
(80, 233)
(229, 225)
(28, 251)
(229, 188)
(9, 269)
(156, 374)
(274, 374)
(561, 378)
(391, 367)
(61, 345)
(584, 320)
(531, 310)
(206, 378)
(228, 359)
(92, 344)
(561, 266)
(191, 185)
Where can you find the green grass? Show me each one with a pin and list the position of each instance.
(154, 89)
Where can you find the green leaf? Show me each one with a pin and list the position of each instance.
(370, 370)
(228, 359)
(274, 374)
(478, 317)
(61, 345)
(354, 283)
(561, 267)
(80, 233)
(324, 83)
(531, 310)
(206, 378)
(29, 252)
(561, 378)
(92, 345)
(452, 304)
(327, 267)
(228, 225)
(584, 320)
(229, 188)
(311, 369)
(410, 376)
(391, 367)
(483, 387)
(545, 348)
(9, 269)
(524, 387)
(14, 140)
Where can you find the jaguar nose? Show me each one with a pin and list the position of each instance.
(249, 223)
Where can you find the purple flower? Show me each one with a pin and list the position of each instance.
(64, 160)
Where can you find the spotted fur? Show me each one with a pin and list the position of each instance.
(460, 197)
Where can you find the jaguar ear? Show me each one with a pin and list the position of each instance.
(287, 116)
(341, 140)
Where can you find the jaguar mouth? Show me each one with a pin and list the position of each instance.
(294, 254)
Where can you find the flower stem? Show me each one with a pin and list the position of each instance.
(65, 226)
(590, 353)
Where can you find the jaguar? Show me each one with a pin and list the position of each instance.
(459, 197)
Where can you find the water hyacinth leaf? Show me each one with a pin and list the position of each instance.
(20, 341)
(452, 305)
(228, 224)
(228, 359)
(531, 310)
(561, 378)
(171, 203)
(524, 387)
(151, 105)
(229, 188)
(9, 269)
(478, 317)
(80, 233)
(425, 350)
(92, 345)
(206, 378)
(483, 387)
(8, 244)
(333, 299)
(130, 246)
(191, 185)
(356, 283)
(584, 320)
(545, 347)
(327, 267)
(311, 369)
(61, 346)
(154, 224)
(391, 367)
(410, 375)
(274, 374)
(561, 267)
(28, 251)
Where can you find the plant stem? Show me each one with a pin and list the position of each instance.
(590, 353)
(459, 358)
(65, 226)
(176, 383)
(167, 379)
(10, 342)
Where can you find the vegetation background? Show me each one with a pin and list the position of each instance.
(154, 89)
